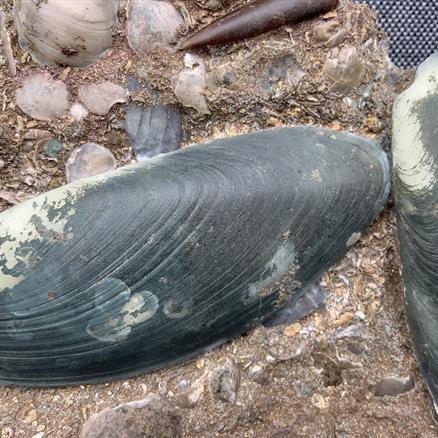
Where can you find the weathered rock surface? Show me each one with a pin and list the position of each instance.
(149, 418)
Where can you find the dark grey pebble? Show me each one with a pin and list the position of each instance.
(154, 130)
(304, 303)
(393, 386)
(52, 148)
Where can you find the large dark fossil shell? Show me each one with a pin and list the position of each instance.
(415, 152)
(152, 264)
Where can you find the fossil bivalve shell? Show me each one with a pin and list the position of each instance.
(74, 33)
(152, 264)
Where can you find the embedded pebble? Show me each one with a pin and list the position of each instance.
(345, 69)
(151, 417)
(78, 112)
(52, 148)
(88, 160)
(303, 303)
(214, 5)
(43, 98)
(393, 385)
(258, 374)
(224, 381)
(152, 24)
(190, 397)
(154, 130)
(189, 84)
(99, 98)
(354, 331)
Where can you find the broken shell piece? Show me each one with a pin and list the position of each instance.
(74, 33)
(158, 262)
(189, 84)
(43, 98)
(152, 24)
(345, 69)
(78, 112)
(99, 98)
(89, 160)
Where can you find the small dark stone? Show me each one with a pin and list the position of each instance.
(356, 348)
(304, 302)
(229, 77)
(154, 130)
(52, 148)
(133, 83)
(308, 389)
(259, 375)
(393, 386)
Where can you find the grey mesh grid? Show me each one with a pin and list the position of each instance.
(412, 26)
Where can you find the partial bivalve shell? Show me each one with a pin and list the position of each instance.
(150, 265)
(73, 33)
(415, 156)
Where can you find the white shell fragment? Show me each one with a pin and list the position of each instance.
(43, 98)
(189, 84)
(99, 98)
(152, 24)
(89, 160)
(78, 112)
(74, 33)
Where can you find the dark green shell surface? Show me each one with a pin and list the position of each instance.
(152, 264)
(415, 153)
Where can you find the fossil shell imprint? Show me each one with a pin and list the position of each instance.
(154, 263)
(74, 33)
(415, 153)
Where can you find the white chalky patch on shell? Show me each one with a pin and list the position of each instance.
(413, 163)
(115, 324)
(277, 267)
(18, 228)
(174, 309)
(141, 307)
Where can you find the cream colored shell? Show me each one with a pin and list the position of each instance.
(68, 32)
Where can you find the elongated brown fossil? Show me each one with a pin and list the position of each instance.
(254, 19)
